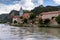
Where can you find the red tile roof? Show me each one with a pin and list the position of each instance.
(26, 15)
(16, 17)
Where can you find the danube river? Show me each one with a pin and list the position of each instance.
(28, 33)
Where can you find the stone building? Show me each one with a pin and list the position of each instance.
(26, 15)
(49, 15)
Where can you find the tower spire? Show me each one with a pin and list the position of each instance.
(21, 12)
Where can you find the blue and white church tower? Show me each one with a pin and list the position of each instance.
(21, 12)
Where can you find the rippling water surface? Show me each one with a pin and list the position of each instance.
(28, 33)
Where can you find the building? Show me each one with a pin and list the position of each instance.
(13, 13)
(26, 15)
(49, 15)
(53, 22)
(17, 19)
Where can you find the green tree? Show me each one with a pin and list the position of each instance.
(32, 16)
(40, 21)
(25, 20)
(46, 21)
(41, 8)
(58, 19)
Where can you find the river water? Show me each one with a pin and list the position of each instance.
(28, 33)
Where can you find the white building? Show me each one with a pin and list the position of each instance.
(49, 15)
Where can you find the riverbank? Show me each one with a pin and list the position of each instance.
(23, 25)
(36, 25)
(50, 26)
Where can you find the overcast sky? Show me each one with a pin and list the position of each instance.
(7, 5)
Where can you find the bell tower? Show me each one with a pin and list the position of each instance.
(21, 12)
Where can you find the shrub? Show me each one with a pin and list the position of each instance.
(58, 19)
(40, 21)
(25, 20)
(46, 21)
(32, 16)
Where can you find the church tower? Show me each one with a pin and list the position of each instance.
(21, 12)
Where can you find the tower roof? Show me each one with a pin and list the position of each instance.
(21, 12)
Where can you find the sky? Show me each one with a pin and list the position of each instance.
(7, 5)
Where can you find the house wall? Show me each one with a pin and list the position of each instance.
(49, 16)
(26, 15)
(17, 19)
(14, 20)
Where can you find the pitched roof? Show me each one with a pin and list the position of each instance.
(16, 17)
(26, 15)
(48, 13)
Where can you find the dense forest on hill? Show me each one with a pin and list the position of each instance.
(41, 8)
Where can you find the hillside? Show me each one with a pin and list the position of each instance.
(41, 8)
